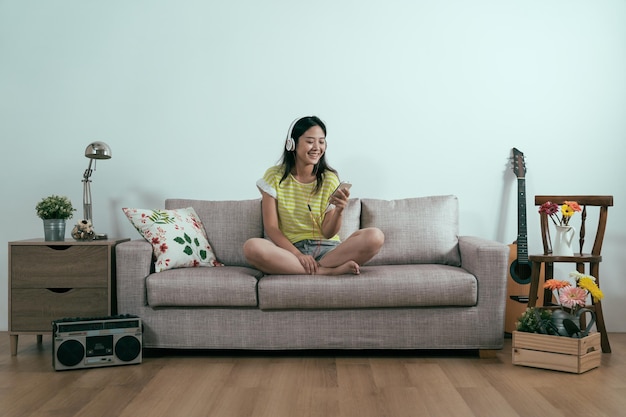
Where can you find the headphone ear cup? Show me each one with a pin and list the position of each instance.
(290, 145)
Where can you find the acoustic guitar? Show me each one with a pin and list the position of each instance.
(518, 284)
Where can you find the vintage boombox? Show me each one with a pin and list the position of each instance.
(93, 342)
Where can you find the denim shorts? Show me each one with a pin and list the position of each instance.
(316, 248)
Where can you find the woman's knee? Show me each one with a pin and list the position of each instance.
(369, 241)
(374, 236)
(251, 248)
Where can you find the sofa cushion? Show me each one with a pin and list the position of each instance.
(228, 225)
(420, 230)
(376, 287)
(177, 237)
(351, 218)
(228, 286)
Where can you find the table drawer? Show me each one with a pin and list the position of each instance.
(59, 266)
(34, 309)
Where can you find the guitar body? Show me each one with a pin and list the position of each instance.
(518, 285)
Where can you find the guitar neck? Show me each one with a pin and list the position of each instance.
(522, 237)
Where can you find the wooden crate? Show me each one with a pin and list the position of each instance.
(558, 353)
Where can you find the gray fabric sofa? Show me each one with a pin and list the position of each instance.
(427, 288)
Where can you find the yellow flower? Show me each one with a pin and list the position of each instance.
(597, 295)
(567, 211)
(586, 283)
(589, 284)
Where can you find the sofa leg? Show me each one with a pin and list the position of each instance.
(487, 353)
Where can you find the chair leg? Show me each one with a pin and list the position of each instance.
(548, 273)
(604, 337)
(594, 270)
(534, 284)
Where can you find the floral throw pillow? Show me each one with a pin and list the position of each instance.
(177, 236)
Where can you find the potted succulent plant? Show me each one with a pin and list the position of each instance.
(535, 320)
(54, 210)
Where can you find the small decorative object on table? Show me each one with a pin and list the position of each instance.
(83, 231)
(54, 210)
(562, 245)
(554, 339)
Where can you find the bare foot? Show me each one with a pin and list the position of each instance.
(349, 267)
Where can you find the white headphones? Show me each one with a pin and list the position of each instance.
(290, 144)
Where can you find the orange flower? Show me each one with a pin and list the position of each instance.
(555, 284)
(573, 205)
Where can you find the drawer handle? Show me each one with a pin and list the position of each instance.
(59, 247)
(59, 290)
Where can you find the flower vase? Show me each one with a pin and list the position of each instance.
(54, 229)
(558, 316)
(563, 239)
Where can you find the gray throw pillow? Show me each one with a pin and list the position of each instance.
(419, 230)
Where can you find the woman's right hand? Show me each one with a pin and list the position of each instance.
(309, 263)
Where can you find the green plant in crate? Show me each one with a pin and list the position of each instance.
(535, 320)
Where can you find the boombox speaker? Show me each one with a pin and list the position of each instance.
(93, 342)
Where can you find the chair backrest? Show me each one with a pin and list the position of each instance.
(603, 202)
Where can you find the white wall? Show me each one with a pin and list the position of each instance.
(420, 98)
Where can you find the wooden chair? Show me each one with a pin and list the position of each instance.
(580, 259)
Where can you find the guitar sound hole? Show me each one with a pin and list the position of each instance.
(520, 272)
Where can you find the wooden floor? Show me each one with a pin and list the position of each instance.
(324, 384)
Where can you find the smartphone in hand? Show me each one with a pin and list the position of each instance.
(342, 186)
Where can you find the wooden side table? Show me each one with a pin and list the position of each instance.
(54, 280)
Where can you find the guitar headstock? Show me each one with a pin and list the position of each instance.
(519, 166)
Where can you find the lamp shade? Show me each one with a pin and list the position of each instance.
(98, 150)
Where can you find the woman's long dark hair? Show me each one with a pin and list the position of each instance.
(289, 157)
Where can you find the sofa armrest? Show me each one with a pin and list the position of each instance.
(488, 261)
(133, 260)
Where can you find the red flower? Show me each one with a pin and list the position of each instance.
(163, 248)
(549, 208)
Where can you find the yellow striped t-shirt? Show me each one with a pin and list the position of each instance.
(301, 211)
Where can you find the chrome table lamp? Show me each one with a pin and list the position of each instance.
(95, 150)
